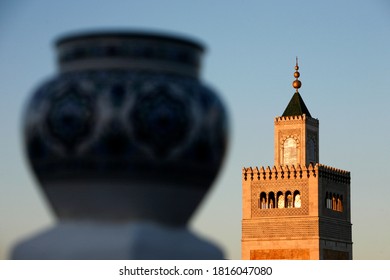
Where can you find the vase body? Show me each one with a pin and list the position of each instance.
(125, 130)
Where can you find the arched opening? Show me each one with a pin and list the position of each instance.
(263, 200)
(289, 200)
(328, 200)
(280, 198)
(334, 202)
(297, 199)
(271, 200)
(339, 203)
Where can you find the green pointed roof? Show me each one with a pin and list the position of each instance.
(296, 107)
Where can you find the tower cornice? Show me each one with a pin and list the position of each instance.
(303, 117)
(294, 172)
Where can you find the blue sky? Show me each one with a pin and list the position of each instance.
(343, 48)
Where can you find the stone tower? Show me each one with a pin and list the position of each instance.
(299, 208)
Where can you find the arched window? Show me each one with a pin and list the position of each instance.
(263, 200)
(339, 203)
(328, 200)
(289, 200)
(334, 202)
(297, 199)
(290, 151)
(280, 200)
(271, 200)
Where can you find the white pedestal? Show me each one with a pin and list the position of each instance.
(109, 241)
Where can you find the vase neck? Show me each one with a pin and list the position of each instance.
(134, 52)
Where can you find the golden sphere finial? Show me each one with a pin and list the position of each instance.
(297, 83)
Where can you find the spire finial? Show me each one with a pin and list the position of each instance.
(297, 83)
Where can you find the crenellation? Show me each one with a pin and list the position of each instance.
(257, 173)
(293, 121)
(312, 169)
(334, 174)
(307, 170)
(282, 172)
(275, 172)
(244, 173)
(300, 171)
(296, 172)
(290, 118)
(295, 118)
(288, 172)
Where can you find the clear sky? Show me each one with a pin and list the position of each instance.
(344, 53)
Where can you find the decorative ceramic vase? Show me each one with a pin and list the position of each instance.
(125, 131)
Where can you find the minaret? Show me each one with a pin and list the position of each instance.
(296, 132)
(298, 208)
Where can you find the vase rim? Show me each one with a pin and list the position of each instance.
(130, 34)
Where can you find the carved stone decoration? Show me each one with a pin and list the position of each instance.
(290, 151)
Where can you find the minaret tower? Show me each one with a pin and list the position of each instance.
(299, 208)
(296, 132)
